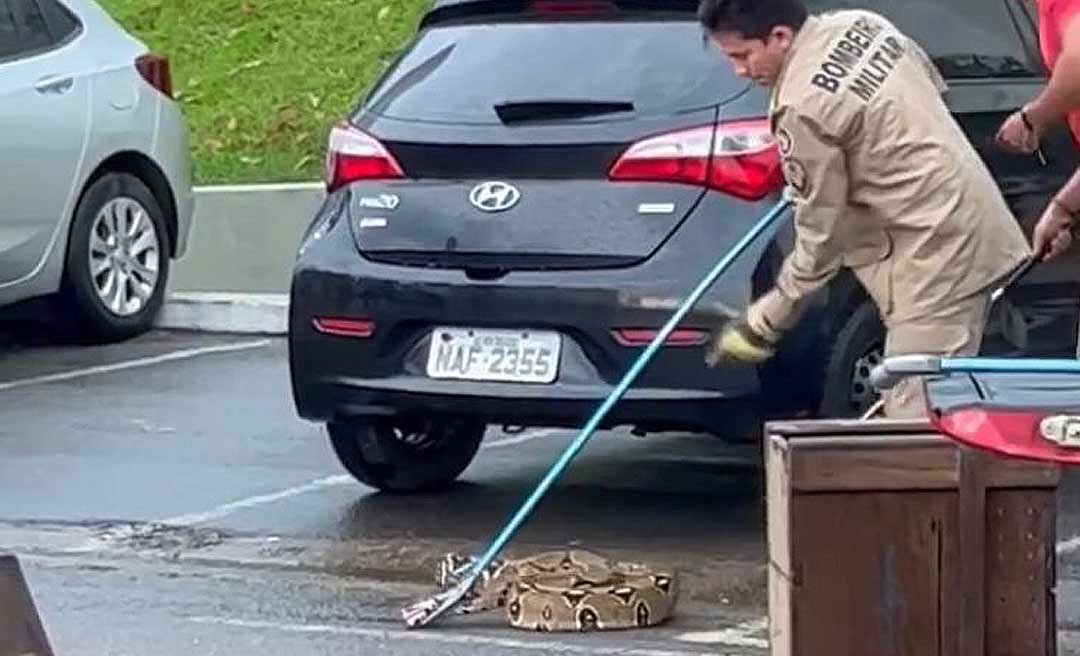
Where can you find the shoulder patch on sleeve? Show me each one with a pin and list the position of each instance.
(795, 174)
(783, 141)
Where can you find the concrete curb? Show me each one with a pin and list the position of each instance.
(264, 314)
(236, 273)
(244, 238)
(259, 188)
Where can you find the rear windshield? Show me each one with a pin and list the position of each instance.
(965, 38)
(460, 73)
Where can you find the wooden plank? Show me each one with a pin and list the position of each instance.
(868, 568)
(867, 442)
(777, 491)
(1002, 471)
(1050, 572)
(971, 523)
(777, 496)
(788, 428)
(1020, 573)
(908, 462)
(950, 592)
(848, 467)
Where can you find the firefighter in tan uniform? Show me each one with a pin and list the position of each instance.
(885, 183)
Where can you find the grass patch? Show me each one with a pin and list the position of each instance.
(261, 81)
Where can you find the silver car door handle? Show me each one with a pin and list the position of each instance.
(54, 84)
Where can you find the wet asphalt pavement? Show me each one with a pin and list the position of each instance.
(164, 498)
(164, 494)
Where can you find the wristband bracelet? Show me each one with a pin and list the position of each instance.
(1031, 129)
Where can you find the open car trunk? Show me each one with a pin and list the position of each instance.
(1033, 416)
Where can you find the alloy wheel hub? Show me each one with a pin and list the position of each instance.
(124, 256)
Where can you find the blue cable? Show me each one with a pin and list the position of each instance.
(1011, 365)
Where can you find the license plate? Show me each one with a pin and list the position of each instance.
(516, 356)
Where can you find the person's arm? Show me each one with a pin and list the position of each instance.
(815, 167)
(1022, 130)
(1069, 195)
(1062, 92)
(1053, 233)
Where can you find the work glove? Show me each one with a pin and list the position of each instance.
(737, 342)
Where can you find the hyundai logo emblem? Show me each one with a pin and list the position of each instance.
(494, 196)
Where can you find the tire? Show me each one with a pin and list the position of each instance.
(402, 456)
(857, 347)
(139, 256)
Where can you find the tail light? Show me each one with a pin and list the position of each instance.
(355, 155)
(1039, 436)
(645, 336)
(739, 158)
(157, 73)
(344, 327)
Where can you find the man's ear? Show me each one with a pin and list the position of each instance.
(783, 35)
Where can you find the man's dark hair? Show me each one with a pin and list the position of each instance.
(754, 19)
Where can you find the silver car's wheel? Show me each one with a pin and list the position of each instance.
(125, 254)
(117, 265)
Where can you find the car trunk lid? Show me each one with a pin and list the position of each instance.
(499, 157)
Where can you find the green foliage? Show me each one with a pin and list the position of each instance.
(262, 81)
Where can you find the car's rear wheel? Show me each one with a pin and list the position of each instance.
(117, 259)
(406, 455)
(856, 349)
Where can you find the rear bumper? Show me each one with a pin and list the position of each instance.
(386, 374)
(556, 406)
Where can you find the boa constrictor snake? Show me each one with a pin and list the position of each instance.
(566, 590)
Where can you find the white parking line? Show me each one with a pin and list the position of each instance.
(131, 364)
(227, 509)
(256, 188)
(433, 635)
(519, 439)
(741, 635)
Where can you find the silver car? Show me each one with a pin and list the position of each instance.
(95, 171)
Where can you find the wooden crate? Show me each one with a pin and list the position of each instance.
(887, 539)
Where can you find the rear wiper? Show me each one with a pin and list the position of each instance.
(973, 65)
(538, 110)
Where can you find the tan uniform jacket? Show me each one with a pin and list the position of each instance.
(886, 182)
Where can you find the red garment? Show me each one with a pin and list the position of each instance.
(1052, 17)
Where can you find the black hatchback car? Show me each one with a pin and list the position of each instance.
(524, 197)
